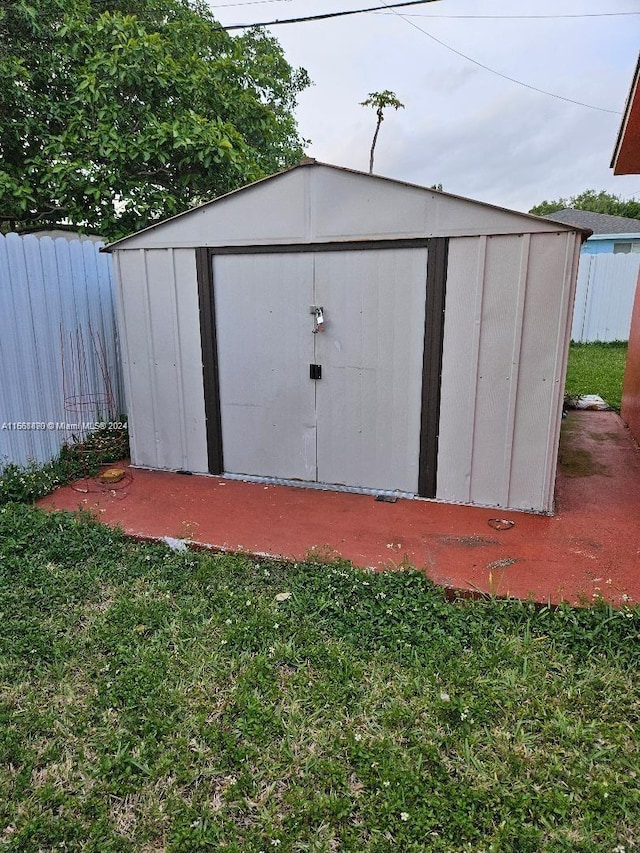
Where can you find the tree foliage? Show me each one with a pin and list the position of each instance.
(380, 101)
(115, 113)
(596, 202)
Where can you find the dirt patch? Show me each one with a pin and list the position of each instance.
(504, 563)
(586, 543)
(467, 541)
(577, 462)
(612, 437)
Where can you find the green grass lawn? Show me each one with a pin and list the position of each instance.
(153, 700)
(597, 369)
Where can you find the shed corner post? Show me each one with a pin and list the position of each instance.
(206, 301)
(437, 261)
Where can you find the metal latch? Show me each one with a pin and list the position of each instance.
(318, 318)
(315, 371)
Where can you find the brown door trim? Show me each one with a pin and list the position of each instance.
(437, 258)
(208, 338)
(335, 246)
(432, 355)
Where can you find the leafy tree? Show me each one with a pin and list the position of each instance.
(596, 202)
(115, 113)
(380, 101)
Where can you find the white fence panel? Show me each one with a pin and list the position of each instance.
(59, 359)
(604, 297)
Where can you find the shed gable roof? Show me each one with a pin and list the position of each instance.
(318, 202)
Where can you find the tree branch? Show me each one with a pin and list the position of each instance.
(41, 214)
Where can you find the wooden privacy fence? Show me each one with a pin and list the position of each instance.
(59, 362)
(604, 297)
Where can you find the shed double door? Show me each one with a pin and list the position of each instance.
(359, 424)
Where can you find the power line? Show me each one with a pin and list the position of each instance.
(495, 17)
(393, 6)
(245, 3)
(450, 17)
(493, 70)
(327, 15)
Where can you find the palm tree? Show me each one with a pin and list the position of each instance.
(380, 100)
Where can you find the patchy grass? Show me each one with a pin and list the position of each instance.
(27, 483)
(597, 369)
(153, 700)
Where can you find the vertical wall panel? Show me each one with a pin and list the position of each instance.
(562, 356)
(42, 328)
(56, 309)
(506, 336)
(190, 380)
(165, 357)
(137, 360)
(496, 371)
(372, 356)
(541, 371)
(517, 332)
(581, 300)
(21, 391)
(265, 347)
(162, 359)
(604, 297)
(460, 356)
(127, 357)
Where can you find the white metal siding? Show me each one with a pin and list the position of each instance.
(273, 211)
(323, 203)
(56, 309)
(369, 398)
(505, 338)
(265, 347)
(604, 297)
(388, 209)
(541, 371)
(162, 358)
(497, 373)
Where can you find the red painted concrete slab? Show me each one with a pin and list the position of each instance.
(591, 547)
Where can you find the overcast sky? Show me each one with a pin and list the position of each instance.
(478, 134)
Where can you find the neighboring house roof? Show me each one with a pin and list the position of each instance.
(599, 223)
(626, 155)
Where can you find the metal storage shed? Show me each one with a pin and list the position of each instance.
(329, 326)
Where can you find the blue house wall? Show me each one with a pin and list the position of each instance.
(596, 247)
(601, 244)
